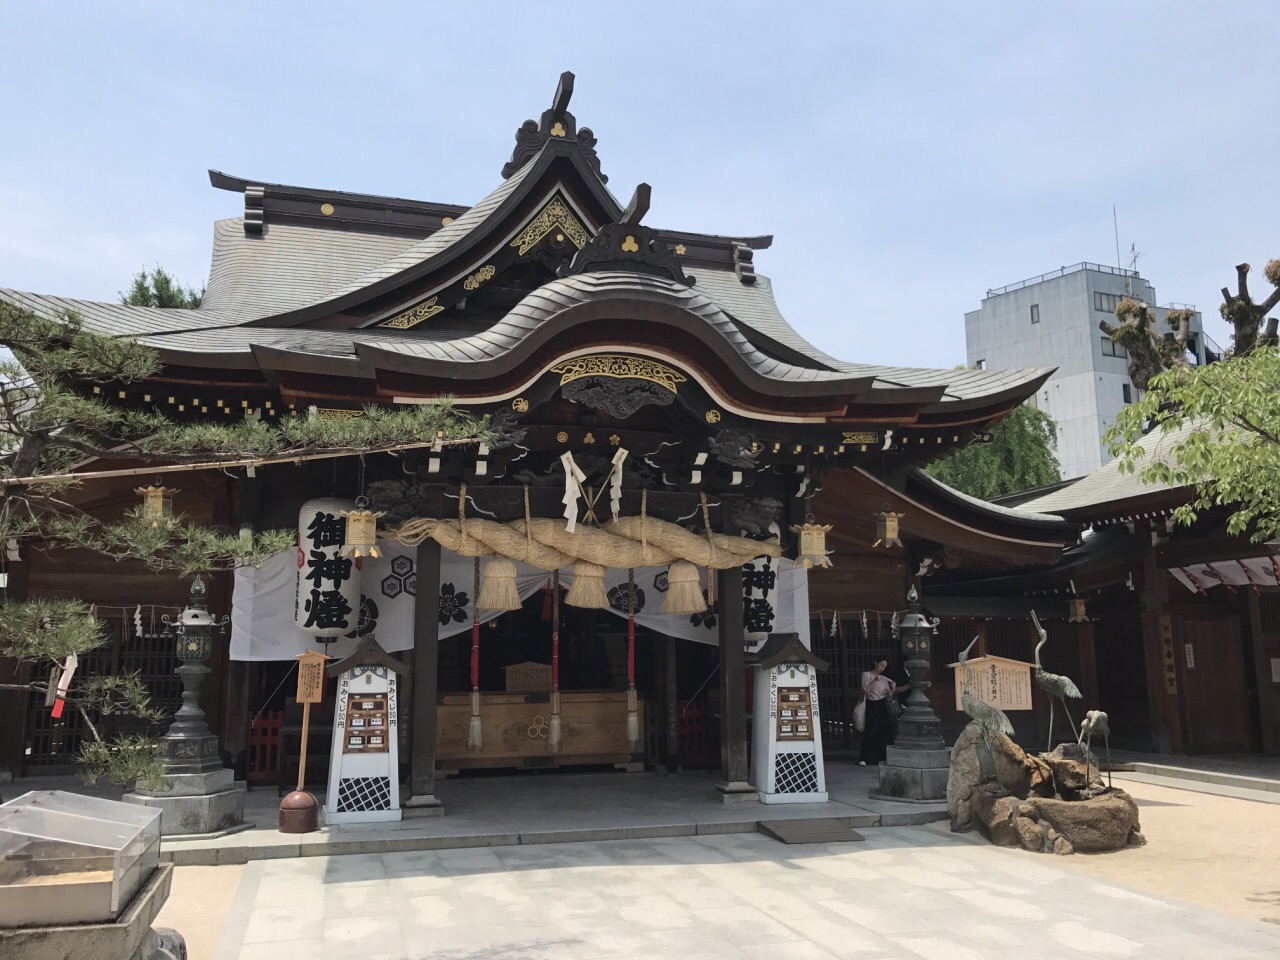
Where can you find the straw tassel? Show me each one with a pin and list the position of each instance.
(553, 728)
(633, 715)
(684, 589)
(475, 737)
(587, 589)
(498, 589)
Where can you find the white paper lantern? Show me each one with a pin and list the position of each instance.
(328, 603)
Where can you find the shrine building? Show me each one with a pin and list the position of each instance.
(658, 435)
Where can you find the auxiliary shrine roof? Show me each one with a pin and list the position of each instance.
(355, 284)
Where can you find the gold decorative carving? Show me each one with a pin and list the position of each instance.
(614, 439)
(480, 276)
(862, 437)
(335, 413)
(445, 221)
(414, 315)
(556, 215)
(589, 438)
(679, 249)
(620, 368)
(538, 728)
(630, 245)
(713, 416)
(520, 405)
(557, 129)
(326, 209)
(562, 437)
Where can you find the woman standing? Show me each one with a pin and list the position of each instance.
(877, 688)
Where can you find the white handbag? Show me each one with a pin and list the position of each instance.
(860, 715)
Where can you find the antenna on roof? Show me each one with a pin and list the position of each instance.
(1133, 267)
(1116, 226)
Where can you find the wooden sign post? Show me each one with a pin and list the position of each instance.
(310, 690)
(299, 811)
(997, 681)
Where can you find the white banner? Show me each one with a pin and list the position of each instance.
(262, 603)
(1254, 572)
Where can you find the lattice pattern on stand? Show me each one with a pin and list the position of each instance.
(360, 794)
(795, 773)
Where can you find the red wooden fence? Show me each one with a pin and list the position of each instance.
(262, 751)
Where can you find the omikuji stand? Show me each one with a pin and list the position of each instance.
(364, 786)
(786, 754)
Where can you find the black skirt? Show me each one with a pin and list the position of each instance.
(878, 733)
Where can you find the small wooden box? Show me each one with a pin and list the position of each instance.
(528, 677)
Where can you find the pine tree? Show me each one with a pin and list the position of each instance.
(51, 420)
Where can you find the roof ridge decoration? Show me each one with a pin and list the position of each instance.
(629, 247)
(556, 122)
(555, 214)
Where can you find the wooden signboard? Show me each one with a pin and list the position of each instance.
(528, 677)
(998, 681)
(311, 676)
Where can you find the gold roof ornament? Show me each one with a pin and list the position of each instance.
(361, 537)
(157, 503)
(813, 550)
(1075, 610)
(887, 528)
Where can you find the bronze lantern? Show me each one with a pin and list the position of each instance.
(813, 550)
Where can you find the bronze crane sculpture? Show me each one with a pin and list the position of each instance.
(1095, 722)
(988, 718)
(1055, 685)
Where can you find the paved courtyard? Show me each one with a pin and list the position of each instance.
(907, 892)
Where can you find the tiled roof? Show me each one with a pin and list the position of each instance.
(1109, 485)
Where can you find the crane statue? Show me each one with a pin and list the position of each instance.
(988, 718)
(1095, 722)
(1055, 685)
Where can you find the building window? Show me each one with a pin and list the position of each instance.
(1127, 391)
(1107, 302)
(1112, 349)
(981, 364)
(1035, 313)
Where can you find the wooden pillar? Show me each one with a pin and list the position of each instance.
(1267, 729)
(13, 703)
(426, 670)
(669, 740)
(1163, 687)
(980, 628)
(1088, 664)
(733, 700)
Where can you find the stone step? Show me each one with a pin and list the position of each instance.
(1214, 777)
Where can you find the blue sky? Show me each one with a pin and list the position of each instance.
(905, 156)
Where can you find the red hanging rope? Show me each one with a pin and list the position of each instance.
(475, 629)
(555, 633)
(631, 630)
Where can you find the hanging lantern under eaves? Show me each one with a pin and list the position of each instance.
(361, 539)
(887, 528)
(157, 503)
(1075, 610)
(812, 551)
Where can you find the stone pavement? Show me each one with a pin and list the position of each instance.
(904, 893)
(542, 808)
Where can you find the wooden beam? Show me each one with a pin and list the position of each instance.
(1158, 644)
(426, 671)
(638, 206)
(733, 705)
(671, 706)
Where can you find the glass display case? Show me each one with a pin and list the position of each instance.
(67, 858)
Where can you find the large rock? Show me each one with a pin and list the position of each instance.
(1107, 821)
(964, 778)
(1072, 778)
(995, 814)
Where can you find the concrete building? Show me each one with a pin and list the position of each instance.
(1052, 321)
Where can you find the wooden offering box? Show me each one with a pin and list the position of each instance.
(528, 677)
(593, 729)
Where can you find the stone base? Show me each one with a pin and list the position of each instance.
(205, 804)
(913, 775)
(129, 938)
(737, 791)
(423, 805)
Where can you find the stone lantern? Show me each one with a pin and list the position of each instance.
(202, 798)
(916, 766)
